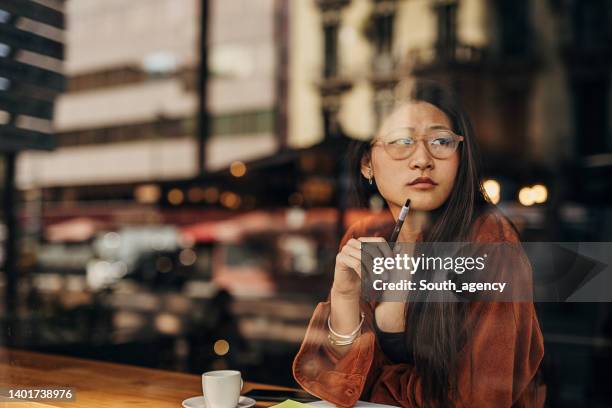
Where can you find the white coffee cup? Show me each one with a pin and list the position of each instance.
(221, 388)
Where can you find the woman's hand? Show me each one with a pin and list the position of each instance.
(346, 289)
(347, 273)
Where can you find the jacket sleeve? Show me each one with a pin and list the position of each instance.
(506, 345)
(504, 355)
(317, 367)
(506, 348)
(319, 370)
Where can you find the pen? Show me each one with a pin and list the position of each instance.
(400, 221)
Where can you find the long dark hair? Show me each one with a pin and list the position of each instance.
(436, 331)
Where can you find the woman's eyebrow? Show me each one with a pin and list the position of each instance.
(435, 126)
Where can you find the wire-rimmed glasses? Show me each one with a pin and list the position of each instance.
(400, 143)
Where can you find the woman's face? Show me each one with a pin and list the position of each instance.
(393, 177)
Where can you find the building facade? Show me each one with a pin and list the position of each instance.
(129, 115)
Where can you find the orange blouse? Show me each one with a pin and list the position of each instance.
(498, 366)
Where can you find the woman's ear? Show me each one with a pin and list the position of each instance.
(366, 166)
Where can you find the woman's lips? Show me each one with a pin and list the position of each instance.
(422, 183)
(422, 186)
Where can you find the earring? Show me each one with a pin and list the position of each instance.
(370, 178)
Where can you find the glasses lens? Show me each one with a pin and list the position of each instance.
(442, 144)
(399, 143)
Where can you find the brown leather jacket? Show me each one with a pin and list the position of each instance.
(499, 364)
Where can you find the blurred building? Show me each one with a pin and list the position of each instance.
(31, 54)
(129, 115)
(523, 69)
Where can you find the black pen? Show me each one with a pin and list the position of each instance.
(400, 221)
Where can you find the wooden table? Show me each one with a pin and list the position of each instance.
(100, 384)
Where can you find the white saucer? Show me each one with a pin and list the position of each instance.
(198, 402)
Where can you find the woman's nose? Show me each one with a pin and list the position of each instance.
(421, 159)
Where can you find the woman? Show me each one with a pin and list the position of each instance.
(468, 354)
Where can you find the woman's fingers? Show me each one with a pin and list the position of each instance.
(360, 257)
(382, 249)
(356, 253)
(352, 251)
(364, 253)
(353, 248)
(354, 243)
(350, 261)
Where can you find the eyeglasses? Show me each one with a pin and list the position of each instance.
(401, 143)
